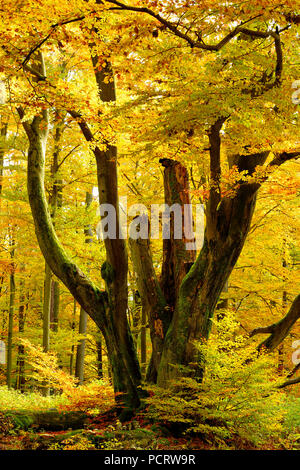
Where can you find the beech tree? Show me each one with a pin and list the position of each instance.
(226, 51)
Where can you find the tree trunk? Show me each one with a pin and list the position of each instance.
(278, 331)
(46, 317)
(21, 349)
(227, 224)
(12, 290)
(80, 353)
(12, 293)
(54, 306)
(107, 309)
(73, 329)
(114, 271)
(99, 357)
(143, 343)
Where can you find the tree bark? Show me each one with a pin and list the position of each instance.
(12, 294)
(12, 290)
(98, 304)
(227, 224)
(21, 349)
(80, 353)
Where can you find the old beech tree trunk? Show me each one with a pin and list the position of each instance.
(107, 308)
(183, 301)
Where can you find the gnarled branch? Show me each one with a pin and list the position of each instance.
(278, 331)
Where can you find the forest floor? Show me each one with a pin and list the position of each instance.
(105, 432)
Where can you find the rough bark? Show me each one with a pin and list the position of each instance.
(12, 294)
(21, 350)
(3, 134)
(12, 290)
(153, 300)
(55, 202)
(227, 224)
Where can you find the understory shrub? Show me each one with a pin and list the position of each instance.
(238, 399)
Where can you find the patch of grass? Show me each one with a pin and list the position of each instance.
(31, 402)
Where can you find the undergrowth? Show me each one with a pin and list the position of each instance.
(238, 400)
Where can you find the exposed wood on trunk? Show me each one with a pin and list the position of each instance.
(177, 259)
(21, 349)
(153, 300)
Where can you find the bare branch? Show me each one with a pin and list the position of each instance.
(278, 331)
(290, 382)
(283, 157)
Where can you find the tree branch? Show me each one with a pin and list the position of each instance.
(215, 162)
(278, 331)
(290, 382)
(283, 157)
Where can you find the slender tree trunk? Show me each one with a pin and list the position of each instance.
(143, 343)
(12, 293)
(46, 309)
(54, 305)
(55, 202)
(80, 353)
(12, 290)
(159, 297)
(21, 349)
(79, 368)
(46, 317)
(73, 330)
(99, 356)
(114, 271)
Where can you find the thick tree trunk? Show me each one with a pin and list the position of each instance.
(159, 298)
(3, 134)
(99, 357)
(46, 318)
(227, 224)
